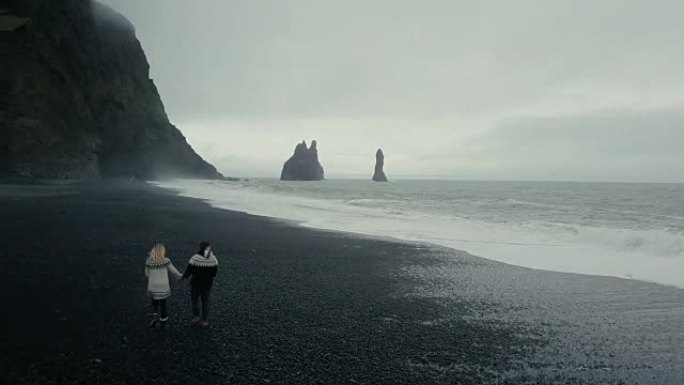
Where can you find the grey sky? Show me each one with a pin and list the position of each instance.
(550, 90)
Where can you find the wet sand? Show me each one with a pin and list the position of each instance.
(295, 305)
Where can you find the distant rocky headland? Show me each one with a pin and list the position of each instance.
(303, 164)
(379, 175)
(80, 103)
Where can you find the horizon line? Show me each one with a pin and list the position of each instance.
(456, 179)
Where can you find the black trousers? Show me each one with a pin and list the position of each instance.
(195, 294)
(159, 307)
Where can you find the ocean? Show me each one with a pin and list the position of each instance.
(633, 231)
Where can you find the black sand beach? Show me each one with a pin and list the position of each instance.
(298, 306)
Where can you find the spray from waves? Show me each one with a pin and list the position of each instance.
(653, 254)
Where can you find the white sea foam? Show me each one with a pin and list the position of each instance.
(578, 238)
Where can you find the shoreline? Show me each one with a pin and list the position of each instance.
(294, 304)
(616, 258)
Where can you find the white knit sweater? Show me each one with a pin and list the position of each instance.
(158, 277)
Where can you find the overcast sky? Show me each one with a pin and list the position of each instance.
(526, 89)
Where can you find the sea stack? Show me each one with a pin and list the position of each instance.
(379, 175)
(303, 164)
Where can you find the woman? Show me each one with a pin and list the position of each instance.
(157, 269)
(201, 270)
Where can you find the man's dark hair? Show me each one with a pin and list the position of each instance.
(203, 246)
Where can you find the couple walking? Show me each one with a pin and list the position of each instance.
(201, 270)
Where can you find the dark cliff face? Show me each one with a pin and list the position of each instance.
(379, 175)
(80, 101)
(303, 164)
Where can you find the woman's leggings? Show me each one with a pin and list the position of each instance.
(159, 307)
(195, 294)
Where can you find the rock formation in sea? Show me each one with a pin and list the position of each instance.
(379, 175)
(80, 103)
(303, 164)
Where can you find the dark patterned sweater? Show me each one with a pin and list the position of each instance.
(201, 270)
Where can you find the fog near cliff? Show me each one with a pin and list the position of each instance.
(543, 90)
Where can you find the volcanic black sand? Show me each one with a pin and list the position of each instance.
(298, 306)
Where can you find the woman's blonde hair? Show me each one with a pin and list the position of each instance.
(158, 253)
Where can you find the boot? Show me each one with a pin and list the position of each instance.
(154, 321)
